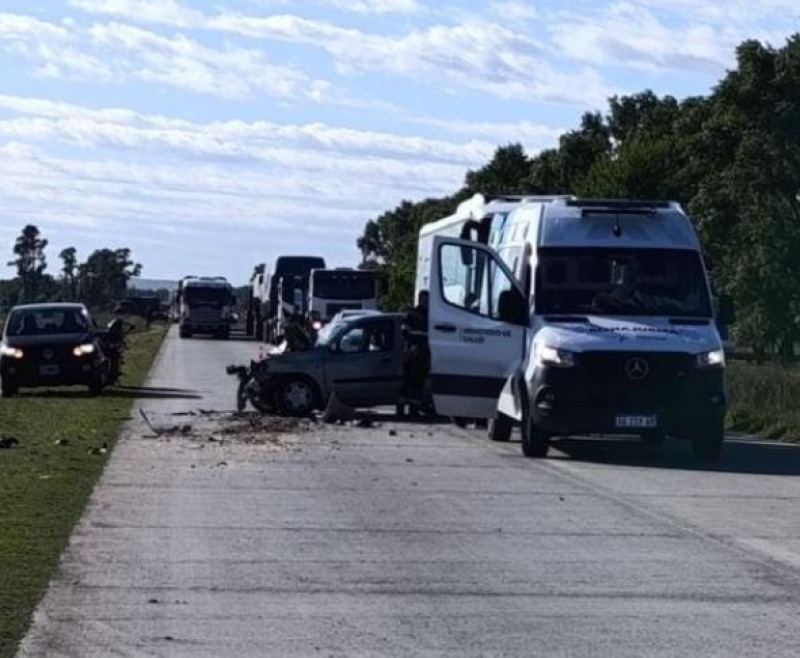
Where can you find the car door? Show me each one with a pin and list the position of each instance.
(364, 366)
(478, 322)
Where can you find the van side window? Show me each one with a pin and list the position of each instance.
(473, 281)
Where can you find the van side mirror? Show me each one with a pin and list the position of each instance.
(726, 311)
(512, 308)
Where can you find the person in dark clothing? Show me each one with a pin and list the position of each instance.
(416, 356)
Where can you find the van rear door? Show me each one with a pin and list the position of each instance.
(478, 321)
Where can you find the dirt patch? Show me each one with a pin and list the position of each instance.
(260, 429)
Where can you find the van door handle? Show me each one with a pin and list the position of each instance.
(446, 328)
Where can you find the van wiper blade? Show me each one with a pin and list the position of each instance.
(689, 322)
(576, 319)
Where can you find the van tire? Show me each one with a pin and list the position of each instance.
(535, 442)
(707, 444)
(500, 428)
(185, 332)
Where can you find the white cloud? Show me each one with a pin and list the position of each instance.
(132, 174)
(120, 52)
(376, 6)
(472, 53)
(514, 10)
(156, 12)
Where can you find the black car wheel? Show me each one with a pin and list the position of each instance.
(297, 397)
(8, 388)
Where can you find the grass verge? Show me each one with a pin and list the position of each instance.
(46, 480)
(764, 400)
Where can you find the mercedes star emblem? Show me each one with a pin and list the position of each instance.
(637, 368)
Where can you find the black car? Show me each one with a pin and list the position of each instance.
(51, 345)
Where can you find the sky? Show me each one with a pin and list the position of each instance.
(209, 136)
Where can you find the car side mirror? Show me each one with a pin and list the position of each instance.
(513, 308)
(726, 310)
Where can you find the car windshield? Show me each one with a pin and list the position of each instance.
(47, 321)
(641, 282)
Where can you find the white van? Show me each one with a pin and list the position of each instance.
(477, 218)
(579, 317)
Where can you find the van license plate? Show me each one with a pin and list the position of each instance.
(637, 422)
(49, 371)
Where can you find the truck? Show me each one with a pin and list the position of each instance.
(254, 321)
(580, 317)
(286, 292)
(206, 306)
(341, 289)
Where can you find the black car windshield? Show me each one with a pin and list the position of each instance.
(642, 282)
(343, 286)
(209, 295)
(47, 321)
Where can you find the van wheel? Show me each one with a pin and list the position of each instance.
(460, 421)
(535, 442)
(500, 428)
(707, 445)
(297, 397)
(185, 332)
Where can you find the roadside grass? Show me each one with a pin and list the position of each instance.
(765, 400)
(46, 480)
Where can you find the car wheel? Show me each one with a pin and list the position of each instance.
(535, 442)
(297, 397)
(461, 421)
(185, 332)
(97, 384)
(500, 428)
(707, 444)
(8, 388)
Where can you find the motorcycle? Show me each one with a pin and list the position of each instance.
(113, 343)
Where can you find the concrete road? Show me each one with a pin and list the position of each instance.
(417, 540)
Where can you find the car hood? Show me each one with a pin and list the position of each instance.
(629, 334)
(294, 361)
(52, 339)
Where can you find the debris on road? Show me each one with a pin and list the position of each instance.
(337, 411)
(61, 442)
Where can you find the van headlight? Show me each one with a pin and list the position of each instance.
(554, 357)
(711, 359)
(11, 352)
(317, 325)
(83, 350)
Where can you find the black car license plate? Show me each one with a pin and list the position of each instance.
(49, 370)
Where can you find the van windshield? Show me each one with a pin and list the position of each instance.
(601, 281)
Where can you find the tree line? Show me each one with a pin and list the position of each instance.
(98, 281)
(732, 158)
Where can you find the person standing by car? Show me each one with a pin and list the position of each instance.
(416, 356)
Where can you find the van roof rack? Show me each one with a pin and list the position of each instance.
(524, 197)
(618, 204)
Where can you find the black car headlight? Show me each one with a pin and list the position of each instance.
(11, 352)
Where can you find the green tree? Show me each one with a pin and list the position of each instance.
(30, 261)
(69, 271)
(105, 274)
